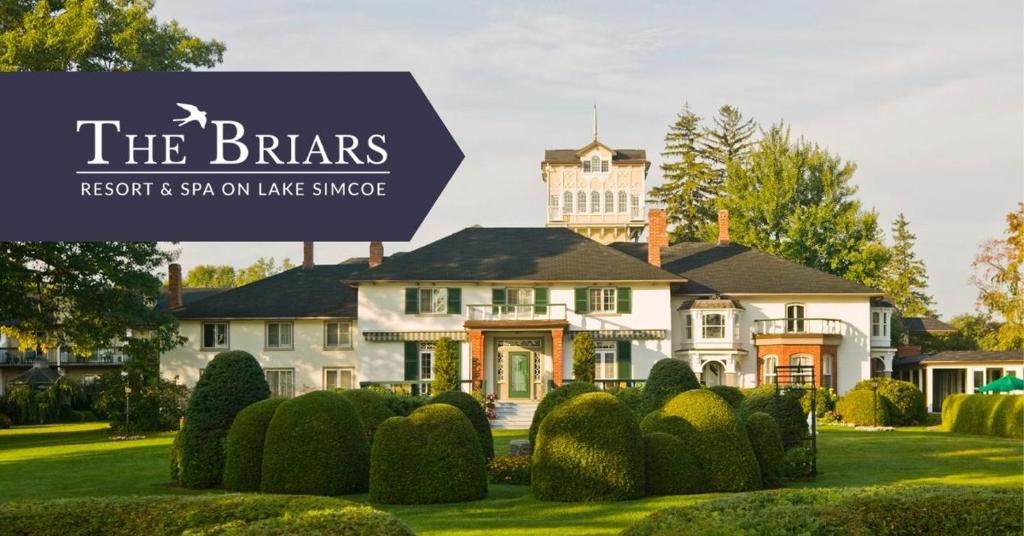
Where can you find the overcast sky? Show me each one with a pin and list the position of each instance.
(926, 97)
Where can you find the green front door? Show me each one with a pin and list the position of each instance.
(519, 366)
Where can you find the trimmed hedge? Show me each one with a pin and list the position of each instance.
(732, 395)
(431, 456)
(784, 408)
(553, 399)
(168, 515)
(824, 400)
(316, 444)
(669, 466)
(372, 407)
(588, 449)
(884, 511)
(229, 383)
(715, 435)
(243, 460)
(631, 396)
(996, 415)
(858, 407)
(513, 470)
(765, 438)
(668, 378)
(473, 411)
(908, 406)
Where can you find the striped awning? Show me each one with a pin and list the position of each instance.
(412, 336)
(624, 334)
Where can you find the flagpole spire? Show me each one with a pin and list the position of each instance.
(595, 122)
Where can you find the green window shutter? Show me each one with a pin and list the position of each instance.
(412, 361)
(625, 300)
(455, 301)
(540, 301)
(412, 301)
(624, 356)
(498, 297)
(582, 304)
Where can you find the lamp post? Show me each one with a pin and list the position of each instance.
(874, 396)
(127, 408)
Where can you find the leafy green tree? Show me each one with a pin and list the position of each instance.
(795, 200)
(261, 269)
(447, 369)
(729, 139)
(210, 276)
(905, 279)
(690, 184)
(97, 35)
(997, 274)
(973, 332)
(583, 358)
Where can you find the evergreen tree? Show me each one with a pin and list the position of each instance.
(689, 185)
(447, 361)
(905, 278)
(795, 200)
(584, 358)
(730, 138)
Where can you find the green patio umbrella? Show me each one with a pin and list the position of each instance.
(1004, 385)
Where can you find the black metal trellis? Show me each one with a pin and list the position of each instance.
(801, 378)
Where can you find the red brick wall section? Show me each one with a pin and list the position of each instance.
(376, 254)
(476, 354)
(556, 356)
(657, 235)
(785, 351)
(723, 227)
(307, 255)
(174, 285)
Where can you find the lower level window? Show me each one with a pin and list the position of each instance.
(339, 378)
(605, 360)
(281, 381)
(426, 361)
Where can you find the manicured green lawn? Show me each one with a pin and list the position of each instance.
(77, 460)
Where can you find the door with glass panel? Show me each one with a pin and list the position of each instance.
(519, 374)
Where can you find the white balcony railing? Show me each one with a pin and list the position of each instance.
(810, 326)
(14, 356)
(526, 311)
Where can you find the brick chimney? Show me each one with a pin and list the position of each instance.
(376, 254)
(174, 285)
(723, 227)
(657, 235)
(307, 255)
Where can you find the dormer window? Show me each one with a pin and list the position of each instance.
(595, 165)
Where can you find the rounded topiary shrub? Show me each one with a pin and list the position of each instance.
(316, 445)
(473, 411)
(243, 457)
(589, 448)
(372, 407)
(766, 441)
(785, 408)
(431, 456)
(669, 466)
(860, 408)
(232, 381)
(553, 399)
(908, 406)
(732, 395)
(714, 434)
(668, 378)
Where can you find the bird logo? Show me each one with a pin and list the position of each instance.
(195, 115)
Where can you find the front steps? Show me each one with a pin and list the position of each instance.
(514, 415)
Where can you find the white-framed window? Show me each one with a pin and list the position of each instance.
(609, 202)
(801, 376)
(713, 326)
(826, 370)
(553, 201)
(604, 360)
(434, 301)
(634, 206)
(595, 165)
(595, 202)
(582, 198)
(602, 300)
(278, 336)
(426, 361)
(795, 318)
(215, 335)
(281, 381)
(736, 326)
(339, 378)
(622, 201)
(688, 326)
(337, 334)
(768, 369)
(879, 324)
(519, 296)
(567, 201)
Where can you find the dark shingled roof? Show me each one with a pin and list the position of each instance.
(320, 291)
(924, 324)
(515, 254)
(569, 156)
(188, 295)
(964, 356)
(734, 269)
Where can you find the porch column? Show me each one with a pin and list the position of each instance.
(476, 355)
(929, 386)
(556, 356)
(887, 359)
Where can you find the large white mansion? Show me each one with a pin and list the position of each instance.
(516, 297)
